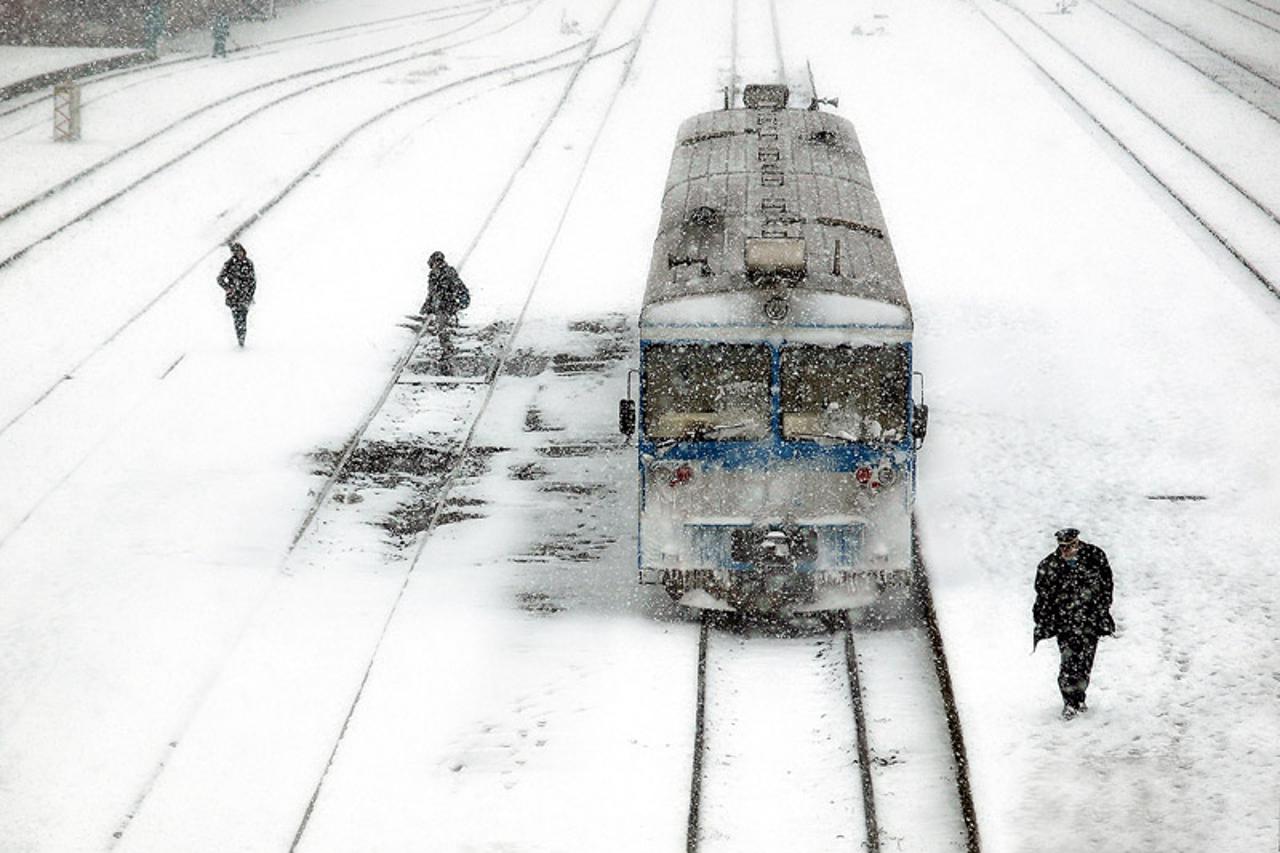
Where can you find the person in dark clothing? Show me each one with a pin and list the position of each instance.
(239, 283)
(446, 296)
(1073, 603)
(221, 29)
(153, 23)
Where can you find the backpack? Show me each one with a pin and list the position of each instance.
(461, 296)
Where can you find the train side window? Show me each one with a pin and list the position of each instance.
(845, 393)
(706, 392)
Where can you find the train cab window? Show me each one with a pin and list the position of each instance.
(845, 393)
(706, 392)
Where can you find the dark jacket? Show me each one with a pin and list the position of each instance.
(1074, 597)
(238, 280)
(446, 294)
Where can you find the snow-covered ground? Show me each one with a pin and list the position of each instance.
(19, 63)
(178, 674)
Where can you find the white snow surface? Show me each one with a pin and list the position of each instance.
(21, 62)
(176, 674)
(817, 309)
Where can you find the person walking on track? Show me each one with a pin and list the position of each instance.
(446, 296)
(1073, 603)
(238, 281)
(221, 25)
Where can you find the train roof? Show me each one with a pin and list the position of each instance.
(769, 219)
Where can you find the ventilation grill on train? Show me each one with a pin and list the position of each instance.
(765, 96)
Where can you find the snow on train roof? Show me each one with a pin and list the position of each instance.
(741, 174)
(807, 310)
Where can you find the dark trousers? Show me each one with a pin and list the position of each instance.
(445, 326)
(1077, 651)
(240, 317)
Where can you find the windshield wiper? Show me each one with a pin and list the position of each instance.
(700, 432)
(816, 436)
(716, 429)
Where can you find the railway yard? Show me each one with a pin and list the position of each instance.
(332, 592)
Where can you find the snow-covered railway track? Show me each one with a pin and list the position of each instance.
(471, 86)
(196, 71)
(1271, 8)
(776, 763)
(1222, 181)
(847, 734)
(489, 376)
(117, 175)
(125, 79)
(757, 53)
(1219, 64)
(482, 83)
(1261, 14)
(422, 348)
(777, 41)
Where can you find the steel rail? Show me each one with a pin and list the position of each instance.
(733, 55)
(1221, 238)
(1250, 18)
(1263, 6)
(253, 218)
(166, 68)
(857, 701)
(777, 41)
(407, 354)
(964, 787)
(1261, 207)
(174, 742)
(860, 727)
(145, 71)
(57, 188)
(69, 372)
(498, 363)
(692, 827)
(1243, 66)
(365, 26)
(693, 821)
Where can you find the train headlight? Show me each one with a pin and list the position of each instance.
(887, 476)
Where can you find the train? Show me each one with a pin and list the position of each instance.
(775, 409)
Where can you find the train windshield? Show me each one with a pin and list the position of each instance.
(706, 392)
(845, 393)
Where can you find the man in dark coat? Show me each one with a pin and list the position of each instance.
(446, 296)
(1073, 603)
(238, 281)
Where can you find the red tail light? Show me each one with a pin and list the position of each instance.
(683, 474)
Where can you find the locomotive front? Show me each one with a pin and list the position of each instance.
(776, 423)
